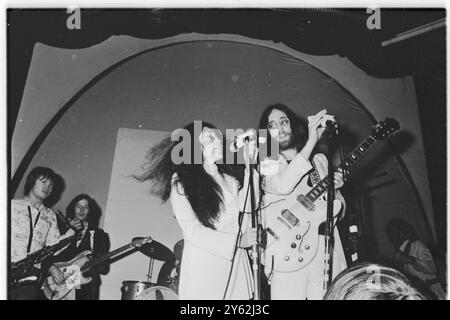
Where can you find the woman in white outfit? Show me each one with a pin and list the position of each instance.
(206, 198)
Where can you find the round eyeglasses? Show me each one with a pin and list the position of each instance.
(277, 125)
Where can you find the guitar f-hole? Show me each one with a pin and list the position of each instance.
(303, 236)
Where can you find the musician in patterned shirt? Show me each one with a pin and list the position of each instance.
(34, 226)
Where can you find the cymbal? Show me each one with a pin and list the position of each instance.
(157, 251)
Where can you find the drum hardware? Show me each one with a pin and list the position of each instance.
(150, 270)
(132, 290)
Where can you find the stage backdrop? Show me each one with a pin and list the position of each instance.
(223, 79)
(133, 211)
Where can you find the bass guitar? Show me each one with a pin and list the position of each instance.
(24, 271)
(292, 221)
(76, 269)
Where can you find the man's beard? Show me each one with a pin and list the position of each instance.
(287, 144)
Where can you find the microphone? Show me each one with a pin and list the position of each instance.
(331, 123)
(239, 141)
(331, 127)
(65, 220)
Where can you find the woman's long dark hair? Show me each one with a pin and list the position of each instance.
(298, 127)
(201, 190)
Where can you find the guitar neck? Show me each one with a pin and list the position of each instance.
(106, 257)
(46, 252)
(349, 161)
(23, 267)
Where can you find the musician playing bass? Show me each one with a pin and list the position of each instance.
(34, 226)
(281, 176)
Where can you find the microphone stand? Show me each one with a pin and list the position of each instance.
(255, 224)
(150, 270)
(331, 132)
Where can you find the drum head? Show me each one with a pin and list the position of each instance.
(158, 293)
(132, 289)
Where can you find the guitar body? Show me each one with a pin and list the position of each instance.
(73, 275)
(293, 229)
(25, 272)
(292, 222)
(73, 270)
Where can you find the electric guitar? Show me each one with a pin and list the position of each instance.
(292, 221)
(24, 271)
(75, 269)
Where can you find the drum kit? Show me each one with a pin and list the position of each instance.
(166, 287)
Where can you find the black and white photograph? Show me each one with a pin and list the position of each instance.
(226, 153)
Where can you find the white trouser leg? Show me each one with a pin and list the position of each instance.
(289, 286)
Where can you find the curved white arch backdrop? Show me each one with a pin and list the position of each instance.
(55, 75)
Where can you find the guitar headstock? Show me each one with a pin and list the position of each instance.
(384, 128)
(140, 241)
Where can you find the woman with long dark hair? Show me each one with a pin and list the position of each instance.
(206, 199)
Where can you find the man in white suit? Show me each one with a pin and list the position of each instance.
(296, 162)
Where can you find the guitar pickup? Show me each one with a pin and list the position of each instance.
(304, 201)
(290, 217)
(284, 222)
